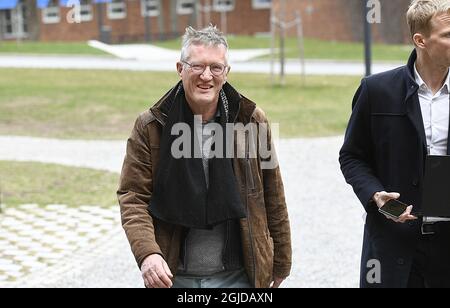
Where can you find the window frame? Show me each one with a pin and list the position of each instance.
(221, 8)
(258, 5)
(151, 13)
(52, 8)
(185, 11)
(87, 7)
(114, 4)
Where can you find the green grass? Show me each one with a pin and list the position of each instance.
(315, 49)
(104, 104)
(22, 183)
(63, 48)
(319, 108)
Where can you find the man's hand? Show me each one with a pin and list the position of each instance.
(156, 272)
(381, 198)
(277, 282)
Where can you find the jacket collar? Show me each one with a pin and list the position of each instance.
(412, 100)
(242, 113)
(411, 84)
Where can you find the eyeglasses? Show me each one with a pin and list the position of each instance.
(217, 69)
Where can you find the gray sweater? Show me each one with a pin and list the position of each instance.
(203, 251)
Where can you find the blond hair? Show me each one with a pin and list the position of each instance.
(421, 12)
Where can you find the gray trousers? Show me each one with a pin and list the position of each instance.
(232, 280)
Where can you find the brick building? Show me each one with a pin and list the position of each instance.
(119, 21)
(342, 20)
(128, 20)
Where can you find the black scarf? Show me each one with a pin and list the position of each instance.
(180, 194)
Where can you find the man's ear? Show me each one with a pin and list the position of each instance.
(179, 68)
(419, 40)
(226, 75)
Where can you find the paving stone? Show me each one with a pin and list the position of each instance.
(28, 206)
(7, 268)
(25, 258)
(33, 238)
(56, 207)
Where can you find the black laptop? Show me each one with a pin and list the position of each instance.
(436, 190)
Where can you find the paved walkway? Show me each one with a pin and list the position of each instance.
(147, 52)
(325, 216)
(36, 241)
(313, 67)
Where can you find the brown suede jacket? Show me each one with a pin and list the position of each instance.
(266, 236)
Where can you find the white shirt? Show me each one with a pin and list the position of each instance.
(435, 113)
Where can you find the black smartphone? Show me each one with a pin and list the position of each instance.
(393, 208)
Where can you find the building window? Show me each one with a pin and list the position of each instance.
(185, 7)
(150, 7)
(262, 4)
(14, 22)
(117, 9)
(86, 10)
(51, 14)
(223, 5)
(7, 23)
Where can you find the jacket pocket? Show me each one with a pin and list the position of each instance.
(388, 127)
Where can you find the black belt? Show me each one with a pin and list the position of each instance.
(431, 228)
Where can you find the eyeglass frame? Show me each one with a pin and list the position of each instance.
(191, 65)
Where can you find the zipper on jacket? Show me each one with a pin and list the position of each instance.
(250, 180)
(250, 231)
(184, 248)
(225, 248)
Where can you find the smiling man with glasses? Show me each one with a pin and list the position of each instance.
(212, 221)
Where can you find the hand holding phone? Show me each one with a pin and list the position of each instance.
(394, 209)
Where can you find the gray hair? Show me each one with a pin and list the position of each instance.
(210, 36)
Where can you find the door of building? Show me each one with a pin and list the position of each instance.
(14, 24)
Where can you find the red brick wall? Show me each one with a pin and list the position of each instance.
(242, 20)
(341, 20)
(64, 31)
(321, 18)
(245, 19)
(131, 28)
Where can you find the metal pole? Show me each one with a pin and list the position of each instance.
(283, 42)
(198, 8)
(273, 32)
(367, 39)
(147, 27)
(301, 45)
(208, 12)
(19, 23)
(174, 18)
(100, 20)
(223, 21)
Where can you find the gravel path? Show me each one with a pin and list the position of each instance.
(326, 217)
